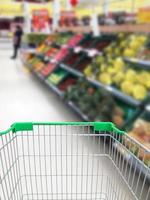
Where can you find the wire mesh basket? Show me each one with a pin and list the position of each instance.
(71, 161)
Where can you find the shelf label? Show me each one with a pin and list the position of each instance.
(77, 49)
(92, 52)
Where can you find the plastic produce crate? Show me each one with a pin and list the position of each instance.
(67, 82)
(57, 76)
(66, 161)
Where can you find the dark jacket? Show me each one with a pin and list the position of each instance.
(17, 37)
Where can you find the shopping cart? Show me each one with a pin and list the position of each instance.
(71, 161)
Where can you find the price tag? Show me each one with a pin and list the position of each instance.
(77, 49)
(92, 53)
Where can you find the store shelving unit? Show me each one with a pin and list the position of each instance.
(58, 92)
(79, 74)
(142, 64)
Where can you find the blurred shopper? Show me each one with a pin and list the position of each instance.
(17, 41)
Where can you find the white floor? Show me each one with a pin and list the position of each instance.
(23, 98)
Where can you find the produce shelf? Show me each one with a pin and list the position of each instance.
(54, 88)
(89, 52)
(125, 98)
(78, 111)
(116, 92)
(69, 69)
(38, 75)
(142, 64)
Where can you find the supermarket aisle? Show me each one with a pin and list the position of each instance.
(23, 98)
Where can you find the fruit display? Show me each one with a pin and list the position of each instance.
(63, 38)
(43, 48)
(126, 46)
(57, 76)
(50, 39)
(103, 41)
(69, 81)
(49, 68)
(51, 52)
(34, 39)
(141, 133)
(63, 52)
(95, 103)
(111, 69)
(144, 54)
(83, 63)
(95, 96)
(133, 82)
(75, 40)
(88, 43)
(36, 63)
(72, 59)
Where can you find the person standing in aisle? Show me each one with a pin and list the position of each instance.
(17, 41)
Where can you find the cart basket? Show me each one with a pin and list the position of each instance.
(72, 161)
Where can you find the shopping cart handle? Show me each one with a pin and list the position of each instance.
(98, 126)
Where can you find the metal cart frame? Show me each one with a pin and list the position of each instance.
(72, 161)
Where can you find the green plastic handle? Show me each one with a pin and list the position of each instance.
(98, 126)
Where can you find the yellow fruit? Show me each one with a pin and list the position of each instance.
(126, 87)
(109, 49)
(147, 84)
(111, 70)
(103, 67)
(135, 44)
(105, 78)
(117, 51)
(118, 64)
(129, 53)
(144, 78)
(139, 92)
(88, 71)
(100, 59)
(118, 78)
(142, 39)
(121, 35)
(131, 75)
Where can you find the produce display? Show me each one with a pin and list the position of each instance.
(48, 69)
(34, 39)
(144, 54)
(126, 46)
(95, 104)
(72, 59)
(69, 81)
(83, 63)
(51, 52)
(111, 69)
(104, 41)
(94, 101)
(57, 76)
(63, 52)
(63, 38)
(36, 63)
(75, 40)
(141, 133)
